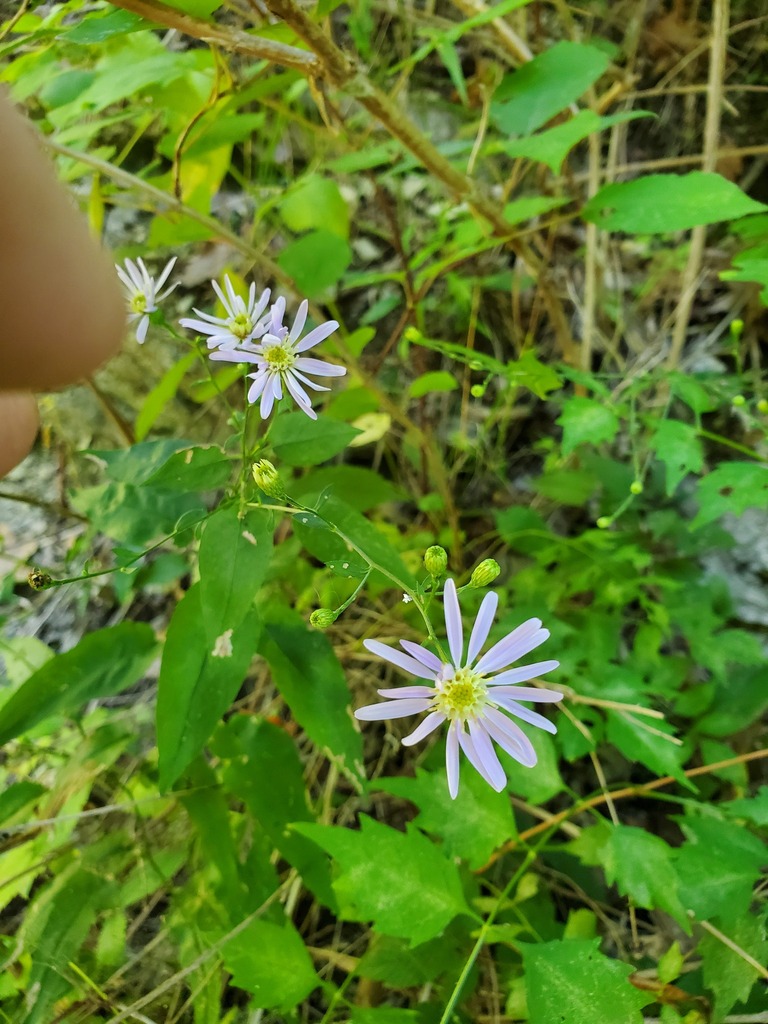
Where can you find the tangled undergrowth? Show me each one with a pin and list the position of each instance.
(532, 240)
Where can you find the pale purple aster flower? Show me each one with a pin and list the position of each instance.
(279, 361)
(143, 292)
(243, 321)
(470, 694)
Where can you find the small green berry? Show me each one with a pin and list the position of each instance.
(485, 573)
(636, 487)
(762, 405)
(268, 479)
(322, 618)
(603, 522)
(477, 390)
(739, 400)
(436, 561)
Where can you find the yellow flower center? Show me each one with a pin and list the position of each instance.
(278, 358)
(241, 326)
(138, 303)
(462, 695)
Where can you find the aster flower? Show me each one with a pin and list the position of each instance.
(241, 324)
(279, 361)
(470, 694)
(143, 292)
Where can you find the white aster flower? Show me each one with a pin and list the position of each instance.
(470, 697)
(241, 324)
(279, 361)
(143, 292)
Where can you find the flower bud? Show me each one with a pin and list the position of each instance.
(436, 561)
(636, 487)
(484, 573)
(268, 479)
(738, 400)
(737, 329)
(603, 522)
(322, 618)
(39, 580)
(762, 405)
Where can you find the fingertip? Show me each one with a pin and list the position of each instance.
(18, 428)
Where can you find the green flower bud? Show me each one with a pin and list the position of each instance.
(485, 573)
(737, 327)
(762, 405)
(39, 580)
(636, 487)
(268, 479)
(738, 400)
(436, 561)
(477, 390)
(322, 618)
(603, 522)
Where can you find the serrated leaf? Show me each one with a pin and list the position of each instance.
(718, 866)
(471, 826)
(570, 981)
(660, 203)
(544, 86)
(637, 743)
(398, 880)
(551, 147)
(586, 421)
(641, 866)
(678, 446)
(300, 441)
(199, 679)
(310, 678)
(234, 557)
(727, 974)
(731, 488)
(101, 664)
(754, 809)
(270, 961)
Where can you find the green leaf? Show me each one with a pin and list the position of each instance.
(586, 421)
(568, 486)
(316, 262)
(135, 516)
(383, 1015)
(641, 866)
(540, 783)
(754, 808)
(660, 203)
(677, 445)
(529, 372)
(162, 393)
(471, 826)
(234, 557)
(310, 678)
(533, 94)
(727, 974)
(692, 390)
(55, 927)
(300, 441)
(437, 380)
(398, 880)
(17, 797)
(193, 469)
(252, 751)
(271, 961)
(316, 202)
(718, 866)
(751, 265)
(572, 982)
(731, 488)
(638, 744)
(93, 29)
(399, 965)
(199, 679)
(356, 486)
(102, 664)
(551, 147)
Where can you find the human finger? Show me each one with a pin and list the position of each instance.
(18, 427)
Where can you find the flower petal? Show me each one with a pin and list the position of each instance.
(509, 736)
(523, 672)
(533, 693)
(305, 380)
(469, 749)
(422, 654)
(141, 330)
(315, 336)
(257, 388)
(532, 717)
(430, 723)
(517, 643)
(453, 625)
(320, 367)
(298, 393)
(267, 400)
(402, 692)
(166, 271)
(391, 709)
(482, 626)
(486, 753)
(452, 760)
(403, 661)
(299, 321)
